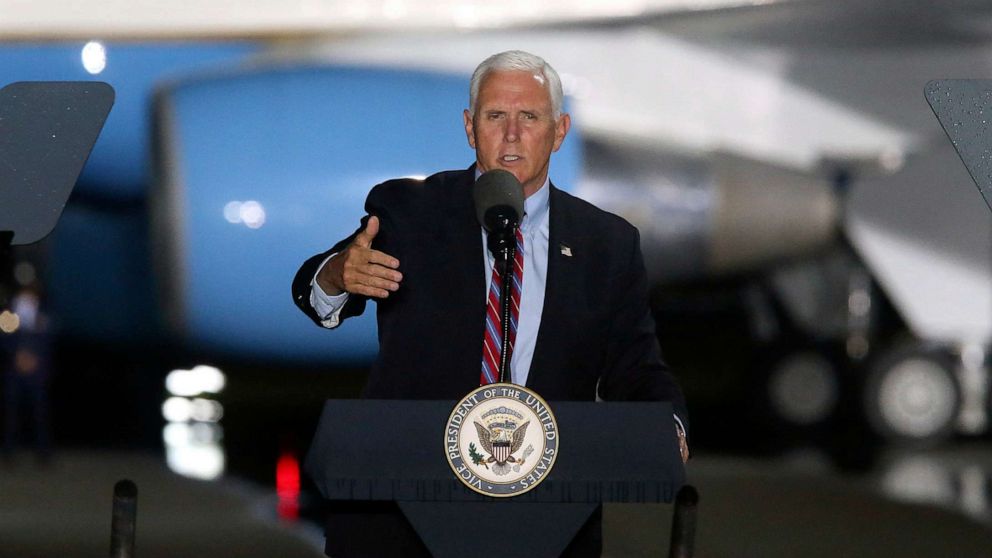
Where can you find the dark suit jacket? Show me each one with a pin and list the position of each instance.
(596, 327)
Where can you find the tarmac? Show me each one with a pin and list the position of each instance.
(64, 509)
(748, 507)
(787, 508)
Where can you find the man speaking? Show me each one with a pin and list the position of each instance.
(580, 324)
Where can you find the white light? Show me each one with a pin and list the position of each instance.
(182, 382)
(193, 450)
(177, 434)
(416, 176)
(211, 378)
(201, 379)
(206, 410)
(177, 409)
(232, 212)
(202, 433)
(94, 57)
(198, 462)
(252, 214)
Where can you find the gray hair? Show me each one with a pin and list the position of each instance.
(512, 60)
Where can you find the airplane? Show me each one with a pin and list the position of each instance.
(781, 148)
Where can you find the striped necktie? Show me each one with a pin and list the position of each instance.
(494, 331)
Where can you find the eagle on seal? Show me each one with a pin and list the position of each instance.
(501, 443)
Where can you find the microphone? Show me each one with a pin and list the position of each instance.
(499, 205)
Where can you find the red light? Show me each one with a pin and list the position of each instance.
(288, 486)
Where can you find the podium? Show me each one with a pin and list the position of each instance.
(377, 450)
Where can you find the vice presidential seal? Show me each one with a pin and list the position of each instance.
(501, 440)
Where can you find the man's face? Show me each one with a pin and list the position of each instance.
(514, 128)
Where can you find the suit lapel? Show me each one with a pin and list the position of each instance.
(465, 282)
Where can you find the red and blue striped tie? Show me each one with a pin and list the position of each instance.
(494, 331)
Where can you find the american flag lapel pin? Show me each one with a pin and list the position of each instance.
(566, 251)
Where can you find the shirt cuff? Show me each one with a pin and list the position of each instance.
(328, 307)
(678, 422)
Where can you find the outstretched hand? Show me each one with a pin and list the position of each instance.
(358, 269)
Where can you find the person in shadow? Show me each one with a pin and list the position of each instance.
(27, 374)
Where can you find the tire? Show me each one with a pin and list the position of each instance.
(803, 389)
(912, 397)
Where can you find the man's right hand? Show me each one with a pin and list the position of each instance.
(358, 269)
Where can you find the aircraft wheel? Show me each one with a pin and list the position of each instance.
(803, 389)
(912, 397)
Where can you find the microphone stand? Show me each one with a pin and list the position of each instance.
(506, 255)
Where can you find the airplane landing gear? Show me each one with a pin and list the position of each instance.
(912, 396)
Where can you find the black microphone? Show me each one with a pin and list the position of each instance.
(499, 205)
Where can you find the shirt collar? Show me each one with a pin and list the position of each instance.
(536, 207)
